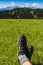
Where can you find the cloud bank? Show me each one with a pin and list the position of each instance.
(34, 5)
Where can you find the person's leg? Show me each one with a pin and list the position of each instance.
(27, 63)
(24, 60)
(24, 53)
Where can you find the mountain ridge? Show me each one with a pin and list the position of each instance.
(8, 8)
(14, 7)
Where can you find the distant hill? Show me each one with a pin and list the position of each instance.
(21, 13)
(8, 8)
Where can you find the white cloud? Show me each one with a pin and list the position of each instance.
(13, 4)
(35, 5)
(23, 5)
(27, 5)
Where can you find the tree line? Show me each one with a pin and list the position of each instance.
(22, 13)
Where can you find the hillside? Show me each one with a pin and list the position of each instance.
(22, 13)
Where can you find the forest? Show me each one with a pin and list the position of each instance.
(22, 13)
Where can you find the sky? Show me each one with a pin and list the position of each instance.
(21, 3)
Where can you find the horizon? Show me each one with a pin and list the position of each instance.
(22, 3)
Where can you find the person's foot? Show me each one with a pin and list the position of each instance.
(30, 51)
(23, 49)
(22, 45)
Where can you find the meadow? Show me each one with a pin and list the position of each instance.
(11, 30)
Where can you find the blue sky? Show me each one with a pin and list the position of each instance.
(21, 3)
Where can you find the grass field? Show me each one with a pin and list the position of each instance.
(10, 31)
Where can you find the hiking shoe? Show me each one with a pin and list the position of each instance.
(30, 52)
(22, 45)
(23, 49)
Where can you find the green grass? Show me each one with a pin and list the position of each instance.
(10, 31)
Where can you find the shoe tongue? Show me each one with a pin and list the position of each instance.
(21, 52)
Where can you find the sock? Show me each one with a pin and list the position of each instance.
(23, 58)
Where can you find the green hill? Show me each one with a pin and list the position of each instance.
(22, 13)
